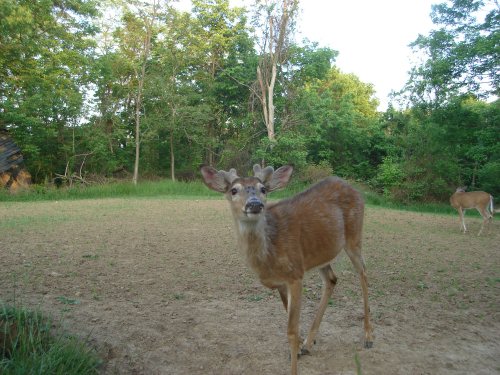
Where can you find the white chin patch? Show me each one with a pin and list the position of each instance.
(252, 215)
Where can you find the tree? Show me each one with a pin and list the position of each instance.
(172, 58)
(226, 53)
(475, 141)
(433, 152)
(174, 103)
(276, 28)
(46, 51)
(140, 27)
(460, 56)
(342, 124)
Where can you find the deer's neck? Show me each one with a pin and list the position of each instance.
(253, 238)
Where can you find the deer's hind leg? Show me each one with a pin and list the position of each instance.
(329, 281)
(487, 217)
(354, 253)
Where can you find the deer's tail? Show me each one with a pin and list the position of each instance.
(491, 206)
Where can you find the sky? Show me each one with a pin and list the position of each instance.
(371, 36)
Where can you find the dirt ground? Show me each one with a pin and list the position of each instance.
(157, 286)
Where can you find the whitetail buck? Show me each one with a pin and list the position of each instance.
(483, 202)
(285, 239)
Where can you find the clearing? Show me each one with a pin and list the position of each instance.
(157, 286)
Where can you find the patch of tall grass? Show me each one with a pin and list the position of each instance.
(193, 189)
(165, 188)
(29, 345)
(374, 199)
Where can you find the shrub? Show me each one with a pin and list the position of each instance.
(289, 148)
(389, 176)
(312, 173)
(488, 177)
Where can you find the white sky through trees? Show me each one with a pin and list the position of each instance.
(372, 37)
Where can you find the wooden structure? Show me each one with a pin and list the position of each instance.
(13, 175)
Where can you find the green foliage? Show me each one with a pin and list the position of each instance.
(45, 53)
(489, 175)
(289, 148)
(462, 54)
(309, 63)
(390, 175)
(29, 346)
(72, 107)
(341, 124)
(312, 173)
(433, 152)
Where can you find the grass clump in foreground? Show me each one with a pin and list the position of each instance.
(28, 345)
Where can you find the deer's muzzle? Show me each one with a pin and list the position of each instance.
(254, 206)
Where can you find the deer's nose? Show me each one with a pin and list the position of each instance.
(254, 205)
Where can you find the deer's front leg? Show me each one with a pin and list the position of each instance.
(462, 219)
(329, 281)
(294, 300)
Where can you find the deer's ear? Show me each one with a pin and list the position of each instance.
(214, 179)
(279, 178)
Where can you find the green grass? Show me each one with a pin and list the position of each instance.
(166, 188)
(29, 345)
(378, 200)
(194, 189)
(358, 364)
(375, 199)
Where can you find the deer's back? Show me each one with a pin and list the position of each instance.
(471, 199)
(318, 222)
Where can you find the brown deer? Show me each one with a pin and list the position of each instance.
(480, 200)
(285, 239)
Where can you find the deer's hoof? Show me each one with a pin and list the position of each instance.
(368, 344)
(304, 351)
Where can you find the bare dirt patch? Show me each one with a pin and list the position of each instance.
(158, 287)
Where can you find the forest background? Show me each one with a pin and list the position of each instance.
(141, 90)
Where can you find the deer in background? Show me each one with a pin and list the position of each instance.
(285, 239)
(480, 200)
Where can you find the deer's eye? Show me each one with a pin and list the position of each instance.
(234, 191)
(263, 190)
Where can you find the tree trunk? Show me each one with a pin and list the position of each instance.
(266, 98)
(172, 156)
(267, 69)
(138, 104)
(474, 174)
(210, 151)
(270, 126)
(141, 78)
(137, 147)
